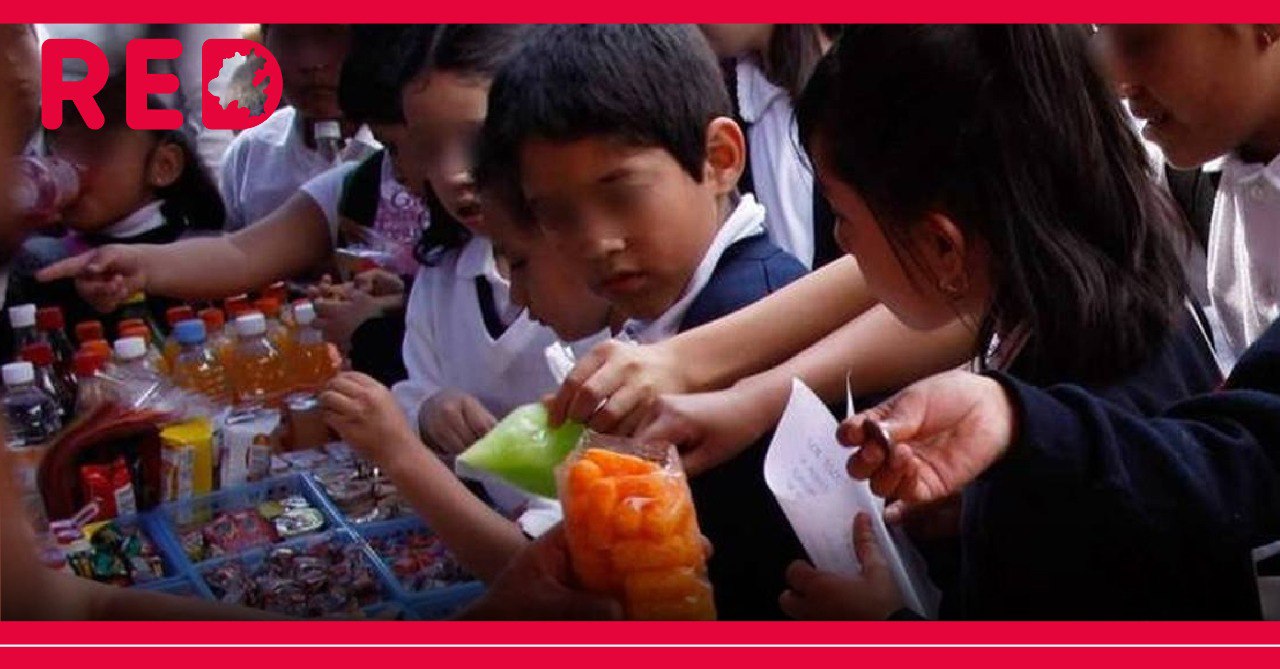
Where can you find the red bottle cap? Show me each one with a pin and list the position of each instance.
(88, 363)
(277, 291)
(214, 319)
(38, 354)
(99, 346)
(89, 331)
(178, 314)
(50, 318)
(269, 306)
(135, 331)
(129, 323)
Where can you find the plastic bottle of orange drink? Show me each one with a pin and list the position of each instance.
(218, 337)
(632, 531)
(196, 367)
(173, 316)
(257, 369)
(310, 364)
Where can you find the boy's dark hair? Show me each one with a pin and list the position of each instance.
(193, 199)
(376, 68)
(470, 50)
(1012, 133)
(647, 85)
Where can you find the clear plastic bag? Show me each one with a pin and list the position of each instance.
(632, 530)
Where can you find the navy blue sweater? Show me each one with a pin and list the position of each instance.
(1098, 512)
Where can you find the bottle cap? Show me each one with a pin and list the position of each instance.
(18, 373)
(50, 318)
(88, 331)
(213, 318)
(136, 331)
(328, 130)
(269, 306)
(129, 323)
(251, 324)
(131, 348)
(22, 316)
(88, 363)
(237, 306)
(190, 331)
(178, 314)
(278, 291)
(99, 346)
(304, 314)
(39, 354)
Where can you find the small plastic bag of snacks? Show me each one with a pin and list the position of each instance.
(523, 450)
(632, 531)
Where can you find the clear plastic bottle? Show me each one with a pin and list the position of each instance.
(136, 308)
(328, 135)
(32, 413)
(310, 365)
(99, 346)
(154, 356)
(22, 319)
(258, 369)
(135, 370)
(52, 328)
(173, 316)
(94, 390)
(47, 378)
(43, 185)
(276, 331)
(218, 336)
(196, 368)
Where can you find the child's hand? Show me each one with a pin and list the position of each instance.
(105, 277)
(452, 420)
(379, 283)
(538, 585)
(613, 388)
(366, 416)
(708, 428)
(947, 430)
(820, 595)
(338, 319)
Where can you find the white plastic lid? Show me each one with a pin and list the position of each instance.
(251, 324)
(130, 348)
(18, 373)
(22, 316)
(328, 130)
(304, 314)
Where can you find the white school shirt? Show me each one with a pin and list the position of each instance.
(746, 220)
(780, 172)
(400, 219)
(1244, 256)
(447, 345)
(266, 164)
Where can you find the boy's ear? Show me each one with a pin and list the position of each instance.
(166, 165)
(1267, 34)
(726, 154)
(944, 250)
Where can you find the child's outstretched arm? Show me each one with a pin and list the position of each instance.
(290, 241)
(367, 416)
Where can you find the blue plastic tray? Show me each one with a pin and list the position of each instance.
(404, 526)
(199, 510)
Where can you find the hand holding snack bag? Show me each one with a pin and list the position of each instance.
(632, 531)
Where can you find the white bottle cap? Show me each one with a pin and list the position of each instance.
(18, 373)
(22, 316)
(251, 324)
(304, 314)
(328, 130)
(130, 348)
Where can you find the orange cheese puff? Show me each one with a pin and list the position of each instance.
(602, 499)
(678, 583)
(628, 517)
(619, 464)
(639, 555)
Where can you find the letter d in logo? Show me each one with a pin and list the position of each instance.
(238, 93)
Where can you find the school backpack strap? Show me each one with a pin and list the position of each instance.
(1194, 192)
(362, 189)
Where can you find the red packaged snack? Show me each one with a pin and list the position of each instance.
(111, 487)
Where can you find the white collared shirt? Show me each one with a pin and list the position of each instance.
(143, 220)
(746, 220)
(780, 172)
(1244, 256)
(268, 163)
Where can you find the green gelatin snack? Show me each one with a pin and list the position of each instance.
(523, 451)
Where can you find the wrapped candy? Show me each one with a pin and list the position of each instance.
(419, 560)
(632, 531)
(330, 578)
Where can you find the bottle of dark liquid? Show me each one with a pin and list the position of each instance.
(47, 379)
(53, 329)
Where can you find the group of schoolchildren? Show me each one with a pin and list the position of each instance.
(919, 198)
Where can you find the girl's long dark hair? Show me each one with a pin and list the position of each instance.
(477, 50)
(793, 51)
(1012, 133)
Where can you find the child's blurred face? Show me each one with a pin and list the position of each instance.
(916, 295)
(310, 59)
(632, 220)
(731, 40)
(541, 280)
(444, 112)
(114, 179)
(1202, 90)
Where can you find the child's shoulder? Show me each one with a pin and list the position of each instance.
(749, 270)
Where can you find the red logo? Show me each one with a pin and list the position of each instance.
(240, 83)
